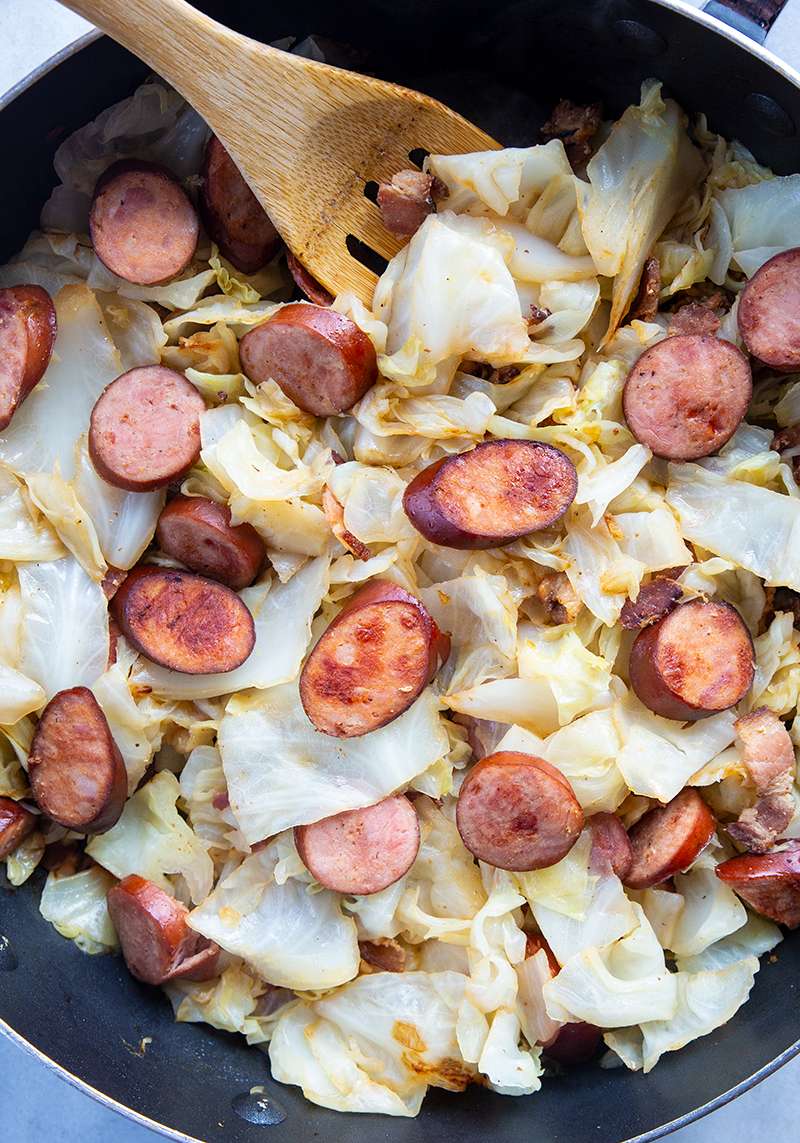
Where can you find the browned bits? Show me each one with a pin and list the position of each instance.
(374, 660)
(142, 224)
(694, 662)
(516, 811)
(232, 214)
(686, 395)
(406, 201)
(144, 431)
(198, 532)
(183, 621)
(76, 772)
(668, 839)
(361, 851)
(655, 600)
(27, 337)
(493, 494)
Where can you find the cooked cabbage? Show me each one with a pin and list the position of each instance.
(76, 907)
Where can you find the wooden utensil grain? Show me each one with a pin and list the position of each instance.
(308, 137)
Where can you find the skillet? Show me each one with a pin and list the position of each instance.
(502, 63)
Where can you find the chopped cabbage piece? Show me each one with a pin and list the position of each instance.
(76, 907)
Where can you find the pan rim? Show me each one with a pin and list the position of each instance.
(786, 71)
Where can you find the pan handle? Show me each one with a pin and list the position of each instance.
(753, 17)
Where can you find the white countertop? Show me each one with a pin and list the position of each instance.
(30, 32)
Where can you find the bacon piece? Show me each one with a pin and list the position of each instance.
(645, 304)
(655, 600)
(785, 599)
(696, 317)
(768, 755)
(559, 597)
(785, 439)
(576, 125)
(406, 201)
(384, 953)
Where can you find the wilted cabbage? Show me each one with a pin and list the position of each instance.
(76, 907)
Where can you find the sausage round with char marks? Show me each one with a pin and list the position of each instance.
(668, 839)
(198, 532)
(497, 492)
(27, 336)
(144, 431)
(183, 621)
(16, 822)
(75, 769)
(695, 662)
(686, 395)
(767, 882)
(611, 846)
(156, 941)
(769, 312)
(374, 660)
(320, 358)
(142, 224)
(361, 851)
(517, 812)
(232, 215)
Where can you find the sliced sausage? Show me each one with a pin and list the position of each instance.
(184, 621)
(767, 882)
(696, 661)
(145, 428)
(142, 223)
(575, 1043)
(493, 494)
(374, 660)
(232, 215)
(516, 811)
(307, 282)
(75, 769)
(611, 846)
(27, 337)
(361, 851)
(668, 839)
(15, 824)
(769, 311)
(686, 395)
(156, 942)
(199, 533)
(655, 600)
(320, 358)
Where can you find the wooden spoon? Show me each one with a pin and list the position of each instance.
(306, 136)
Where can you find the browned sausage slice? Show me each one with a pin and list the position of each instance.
(361, 851)
(769, 311)
(27, 337)
(374, 660)
(156, 942)
(686, 396)
(655, 600)
(145, 428)
(307, 282)
(199, 533)
(695, 662)
(142, 224)
(15, 824)
(516, 811)
(232, 214)
(767, 882)
(668, 839)
(493, 494)
(320, 358)
(75, 770)
(611, 846)
(184, 621)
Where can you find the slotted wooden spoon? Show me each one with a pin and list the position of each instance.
(306, 136)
